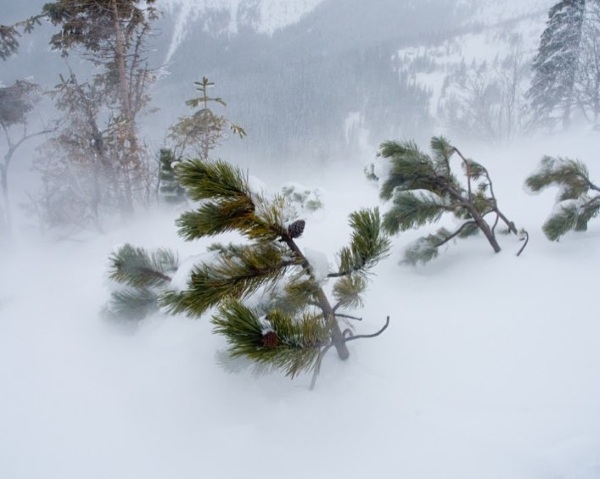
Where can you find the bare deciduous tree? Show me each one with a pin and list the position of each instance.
(488, 101)
(16, 102)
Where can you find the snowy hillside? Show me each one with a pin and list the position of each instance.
(263, 16)
(495, 11)
(477, 74)
(393, 65)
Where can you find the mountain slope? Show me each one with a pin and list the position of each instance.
(229, 16)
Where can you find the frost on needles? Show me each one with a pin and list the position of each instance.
(422, 188)
(265, 295)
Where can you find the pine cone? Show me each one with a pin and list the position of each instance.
(270, 340)
(296, 229)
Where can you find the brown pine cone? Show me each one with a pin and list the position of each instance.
(270, 340)
(296, 229)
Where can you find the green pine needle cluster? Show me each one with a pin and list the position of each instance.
(236, 275)
(411, 169)
(279, 339)
(142, 277)
(137, 268)
(348, 291)
(423, 187)
(218, 180)
(227, 204)
(412, 210)
(171, 192)
(367, 246)
(297, 292)
(571, 176)
(576, 205)
(424, 249)
(133, 303)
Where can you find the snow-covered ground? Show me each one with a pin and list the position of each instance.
(490, 367)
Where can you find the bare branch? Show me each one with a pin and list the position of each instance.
(592, 185)
(468, 168)
(345, 273)
(525, 243)
(365, 336)
(496, 221)
(595, 199)
(347, 316)
(456, 233)
(315, 375)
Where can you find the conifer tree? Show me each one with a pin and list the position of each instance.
(422, 188)
(10, 34)
(267, 296)
(587, 79)
(9, 43)
(100, 140)
(113, 36)
(562, 64)
(578, 201)
(171, 192)
(204, 130)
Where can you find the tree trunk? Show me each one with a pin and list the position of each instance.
(337, 337)
(566, 118)
(479, 221)
(123, 80)
(338, 341)
(485, 228)
(132, 161)
(5, 221)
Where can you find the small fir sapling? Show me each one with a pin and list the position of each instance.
(266, 295)
(422, 188)
(578, 200)
(204, 130)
